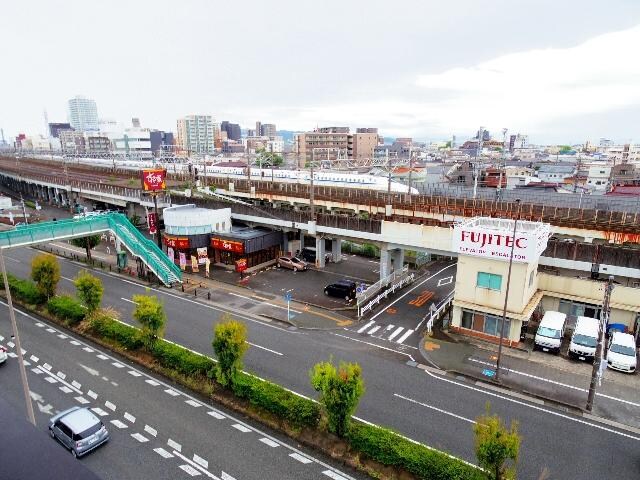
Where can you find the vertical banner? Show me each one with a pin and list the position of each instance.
(171, 254)
(202, 255)
(207, 263)
(151, 218)
(194, 263)
(183, 260)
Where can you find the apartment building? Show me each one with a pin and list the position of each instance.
(83, 114)
(196, 134)
(330, 143)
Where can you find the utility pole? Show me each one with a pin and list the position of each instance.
(506, 293)
(596, 372)
(24, 210)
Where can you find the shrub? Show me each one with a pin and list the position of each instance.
(391, 449)
(89, 289)
(229, 344)
(25, 291)
(496, 445)
(180, 359)
(298, 411)
(340, 391)
(150, 313)
(91, 241)
(66, 308)
(45, 271)
(107, 328)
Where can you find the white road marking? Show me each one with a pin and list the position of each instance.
(162, 452)
(81, 400)
(11, 344)
(75, 342)
(373, 345)
(117, 365)
(127, 300)
(226, 476)
(395, 333)
(92, 394)
(99, 411)
(34, 359)
(110, 406)
(67, 278)
(26, 364)
(62, 335)
(88, 349)
(366, 326)
(200, 461)
(102, 357)
(215, 414)
(374, 330)
(193, 403)
(46, 366)
(12, 355)
(119, 424)
(130, 418)
(334, 475)
(61, 375)
(151, 431)
(408, 292)
(445, 281)
(389, 327)
(174, 445)
(171, 392)
(152, 382)
(133, 373)
(141, 438)
(76, 385)
(36, 370)
(65, 389)
(38, 324)
(51, 330)
(196, 466)
(190, 470)
(265, 348)
(240, 427)
(51, 380)
(445, 412)
(268, 441)
(405, 336)
(300, 458)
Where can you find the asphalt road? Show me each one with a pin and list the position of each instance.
(418, 403)
(158, 430)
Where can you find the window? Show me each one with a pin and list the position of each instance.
(489, 280)
(467, 319)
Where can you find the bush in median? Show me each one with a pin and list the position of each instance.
(25, 291)
(66, 308)
(180, 359)
(389, 448)
(109, 329)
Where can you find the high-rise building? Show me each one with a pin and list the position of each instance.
(258, 128)
(55, 128)
(232, 129)
(329, 143)
(365, 141)
(83, 114)
(135, 122)
(268, 130)
(196, 134)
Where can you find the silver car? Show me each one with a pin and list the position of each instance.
(79, 430)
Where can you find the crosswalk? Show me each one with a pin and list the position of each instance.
(392, 333)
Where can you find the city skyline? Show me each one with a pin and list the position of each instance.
(563, 79)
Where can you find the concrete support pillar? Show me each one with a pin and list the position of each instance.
(320, 253)
(397, 258)
(385, 262)
(131, 209)
(285, 243)
(336, 250)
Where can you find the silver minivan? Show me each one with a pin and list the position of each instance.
(79, 430)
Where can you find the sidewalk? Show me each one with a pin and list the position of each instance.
(552, 378)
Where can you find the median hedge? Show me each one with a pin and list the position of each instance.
(389, 448)
(179, 358)
(67, 309)
(25, 291)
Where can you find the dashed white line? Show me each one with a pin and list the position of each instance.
(240, 427)
(38, 324)
(175, 445)
(119, 424)
(88, 349)
(271, 443)
(171, 392)
(139, 437)
(92, 394)
(76, 384)
(110, 406)
(117, 365)
(34, 359)
(81, 400)
(130, 418)
(46, 366)
(152, 382)
(102, 357)
(300, 458)
(11, 344)
(51, 330)
(334, 475)
(440, 410)
(190, 470)
(215, 414)
(133, 373)
(265, 348)
(75, 343)
(65, 389)
(99, 411)
(62, 335)
(12, 355)
(200, 461)
(193, 403)
(61, 375)
(151, 431)
(37, 371)
(196, 466)
(162, 452)
(51, 380)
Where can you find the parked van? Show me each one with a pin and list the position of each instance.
(622, 352)
(550, 332)
(584, 339)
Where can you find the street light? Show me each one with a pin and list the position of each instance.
(506, 293)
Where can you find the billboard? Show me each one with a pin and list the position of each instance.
(180, 243)
(493, 238)
(228, 245)
(151, 218)
(154, 180)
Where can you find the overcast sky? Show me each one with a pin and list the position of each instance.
(558, 70)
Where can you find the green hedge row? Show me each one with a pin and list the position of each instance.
(181, 359)
(67, 308)
(25, 291)
(298, 411)
(109, 329)
(389, 448)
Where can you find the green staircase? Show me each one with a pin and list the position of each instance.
(140, 246)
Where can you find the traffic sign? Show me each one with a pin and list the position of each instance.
(287, 297)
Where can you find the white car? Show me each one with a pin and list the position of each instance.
(3, 354)
(622, 353)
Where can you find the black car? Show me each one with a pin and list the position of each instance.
(343, 289)
(308, 254)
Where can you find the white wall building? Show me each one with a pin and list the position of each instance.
(83, 114)
(191, 220)
(134, 141)
(598, 177)
(196, 134)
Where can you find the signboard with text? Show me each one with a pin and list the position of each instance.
(151, 218)
(241, 265)
(202, 255)
(154, 180)
(228, 245)
(493, 238)
(180, 243)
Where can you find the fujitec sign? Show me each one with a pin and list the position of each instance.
(492, 238)
(154, 180)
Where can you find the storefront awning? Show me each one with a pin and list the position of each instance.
(524, 316)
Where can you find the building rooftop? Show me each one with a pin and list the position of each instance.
(625, 191)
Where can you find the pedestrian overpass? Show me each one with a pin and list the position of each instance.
(116, 223)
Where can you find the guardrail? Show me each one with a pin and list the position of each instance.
(406, 280)
(433, 314)
(380, 284)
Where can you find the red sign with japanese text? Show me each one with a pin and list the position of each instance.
(219, 244)
(176, 242)
(154, 180)
(241, 265)
(151, 218)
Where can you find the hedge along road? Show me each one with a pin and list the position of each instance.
(418, 404)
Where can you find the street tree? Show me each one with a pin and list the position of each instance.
(149, 312)
(87, 243)
(45, 271)
(89, 289)
(497, 447)
(268, 159)
(229, 344)
(340, 391)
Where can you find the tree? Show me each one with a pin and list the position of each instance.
(565, 148)
(87, 243)
(268, 159)
(229, 344)
(149, 312)
(495, 445)
(89, 289)
(45, 271)
(340, 391)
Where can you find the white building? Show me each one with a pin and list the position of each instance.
(276, 145)
(196, 134)
(83, 114)
(622, 153)
(134, 141)
(598, 177)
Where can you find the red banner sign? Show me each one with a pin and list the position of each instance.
(180, 243)
(151, 218)
(228, 245)
(154, 180)
(241, 265)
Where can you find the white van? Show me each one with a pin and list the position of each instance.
(622, 352)
(584, 339)
(550, 332)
